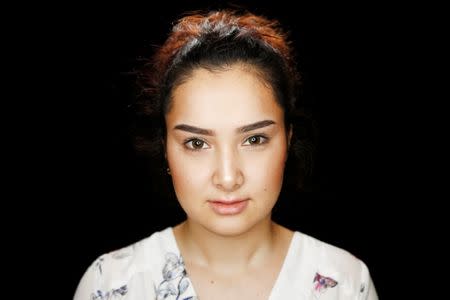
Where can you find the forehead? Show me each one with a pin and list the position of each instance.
(232, 96)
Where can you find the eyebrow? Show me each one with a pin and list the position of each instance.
(245, 128)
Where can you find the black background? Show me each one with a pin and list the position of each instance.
(97, 197)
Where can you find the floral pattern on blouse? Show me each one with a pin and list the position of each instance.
(322, 283)
(98, 264)
(175, 281)
(111, 294)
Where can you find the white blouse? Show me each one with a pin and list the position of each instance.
(153, 269)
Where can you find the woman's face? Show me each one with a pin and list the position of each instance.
(226, 148)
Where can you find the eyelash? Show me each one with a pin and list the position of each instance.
(264, 138)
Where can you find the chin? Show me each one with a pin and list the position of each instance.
(229, 227)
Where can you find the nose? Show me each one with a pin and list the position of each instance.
(228, 175)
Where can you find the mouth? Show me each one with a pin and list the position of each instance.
(228, 207)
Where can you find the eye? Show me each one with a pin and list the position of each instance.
(195, 144)
(256, 140)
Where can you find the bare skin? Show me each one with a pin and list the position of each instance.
(245, 267)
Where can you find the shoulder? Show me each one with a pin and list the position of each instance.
(328, 255)
(135, 258)
(333, 265)
(112, 272)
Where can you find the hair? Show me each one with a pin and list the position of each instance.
(216, 41)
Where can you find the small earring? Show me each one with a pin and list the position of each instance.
(168, 171)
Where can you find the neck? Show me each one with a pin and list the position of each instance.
(208, 249)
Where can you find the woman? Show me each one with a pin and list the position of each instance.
(225, 87)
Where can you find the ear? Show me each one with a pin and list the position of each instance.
(289, 136)
(163, 143)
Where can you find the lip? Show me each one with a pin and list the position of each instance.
(228, 207)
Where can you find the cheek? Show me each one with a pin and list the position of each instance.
(267, 172)
(188, 178)
(188, 174)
